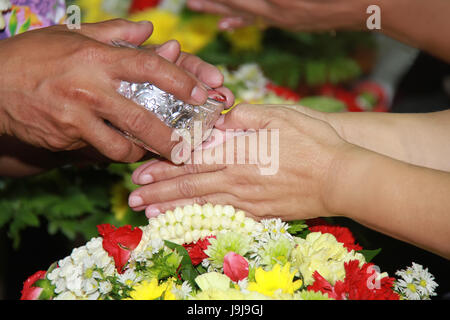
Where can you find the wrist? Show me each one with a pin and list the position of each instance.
(346, 179)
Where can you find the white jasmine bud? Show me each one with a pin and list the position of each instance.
(228, 211)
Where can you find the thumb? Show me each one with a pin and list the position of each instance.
(244, 116)
(118, 29)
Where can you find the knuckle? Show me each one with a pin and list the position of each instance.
(136, 121)
(200, 200)
(186, 188)
(90, 51)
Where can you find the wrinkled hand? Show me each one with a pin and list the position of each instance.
(295, 15)
(58, 86)
(308, 153)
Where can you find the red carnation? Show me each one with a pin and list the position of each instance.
(29, 292)
(139, 5)
(359, 284)
(197, 249)
(119, 242)
(283, 92)
(341, 234)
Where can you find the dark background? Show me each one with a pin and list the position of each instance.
(421, 90)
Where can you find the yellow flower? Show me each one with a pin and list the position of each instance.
(92, 11)
(148, 290)
(165, 24)
(245, 39)
(119, 201)
(275, 280)
(195, 33)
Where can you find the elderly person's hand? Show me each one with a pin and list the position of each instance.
(296, 15)
(59, 86)
(296, 182)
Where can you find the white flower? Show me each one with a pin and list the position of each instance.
(415, 283)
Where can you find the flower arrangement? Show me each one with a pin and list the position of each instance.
(215, 252)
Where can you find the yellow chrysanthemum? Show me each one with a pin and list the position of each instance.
(165, 24)
(245, 39)
(148, 290)
(276, 280)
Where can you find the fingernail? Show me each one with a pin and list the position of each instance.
(135, 201)
(146, 179)
(152, 212)
(199, 95)
(144, 22)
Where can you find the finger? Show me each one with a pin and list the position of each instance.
(118, 29)
(140, 123)
(229, 96)
(171, 50)
(110, 143)
(185, 187)
(254, 7)
(140, 66)
(230, 23)
(211, 7)
(244, 116)
(165, 170)
(204, 71)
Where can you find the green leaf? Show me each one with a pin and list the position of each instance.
(296, 226)
(369, 255)
(13, 23)
(25, 26)
(48, 290)
(187, 270)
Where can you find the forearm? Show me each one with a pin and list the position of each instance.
(419, 139)
(422, 24)
(406, 202)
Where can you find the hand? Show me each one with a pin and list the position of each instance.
(309, 154)
(58, 87)
(295, 15)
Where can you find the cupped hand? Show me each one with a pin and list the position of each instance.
(292, 180)
(295, 15)
(59, 86)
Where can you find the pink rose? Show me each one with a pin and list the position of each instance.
(235, 266)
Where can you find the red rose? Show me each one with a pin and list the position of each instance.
(119, 242)
(196, 250)
(235, 266)
(29, 292)
(341, 234)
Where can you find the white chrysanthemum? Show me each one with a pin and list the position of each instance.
(415, 283)
(78, 275)
(321, 252)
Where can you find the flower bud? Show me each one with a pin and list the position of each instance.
(178, 212)
(208, 210)
(228, 211)
(218, 210)
(188, 210)
(170, 217)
